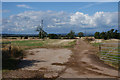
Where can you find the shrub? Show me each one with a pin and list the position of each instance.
(15, 52)
(11, 58)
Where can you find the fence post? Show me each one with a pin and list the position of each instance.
(10, 49)
(99, 47)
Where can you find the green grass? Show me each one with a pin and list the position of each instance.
(96, 44)
(28, 43)
(70, 44)
(48, 43)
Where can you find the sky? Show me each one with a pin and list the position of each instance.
(58, 17)
(60, 0)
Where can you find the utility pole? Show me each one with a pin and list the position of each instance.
(85, 31)
(42, 33)
(41, 28)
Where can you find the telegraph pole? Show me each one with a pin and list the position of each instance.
(85, 31)
(41, 28)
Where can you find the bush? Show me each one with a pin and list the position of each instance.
(11, 58)
(15, 52)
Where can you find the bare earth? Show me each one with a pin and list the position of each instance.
(85, 64)
(47, 61)
(79, 62)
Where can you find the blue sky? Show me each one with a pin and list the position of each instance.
(70, 15)
(72, 7)
(60, 0)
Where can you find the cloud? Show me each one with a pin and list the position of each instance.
(59, 22)
(24, 6)
(99, 19)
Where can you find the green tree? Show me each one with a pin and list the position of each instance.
(103, 35)
(108, 34)
(71, 35)
(80, 34)
(53, 36)
(97, 35)
(112, 33)
(116, 34)
(42, 33)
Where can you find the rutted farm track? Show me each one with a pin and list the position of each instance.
(79, 62)
(85, 64)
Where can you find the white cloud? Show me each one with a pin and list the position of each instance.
(59, 21)
(24, 6)
(97, 20)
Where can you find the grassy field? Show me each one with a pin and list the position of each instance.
(49, 43)
(11, 59)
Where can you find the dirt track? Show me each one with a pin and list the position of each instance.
(83, 63)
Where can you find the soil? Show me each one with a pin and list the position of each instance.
(41, 61)
(85, 64)
(79, 62)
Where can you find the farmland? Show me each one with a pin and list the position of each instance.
(56, 57)
(48, 43)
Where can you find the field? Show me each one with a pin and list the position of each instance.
(19, 46)
(51, 58)
(48, 43)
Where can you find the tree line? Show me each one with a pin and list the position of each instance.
(70, 35)
(111, 34)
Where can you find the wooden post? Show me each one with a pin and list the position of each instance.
(10, 49)
(99, 47)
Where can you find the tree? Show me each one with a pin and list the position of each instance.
(71, 35)
(103, 35)
(116, 34)
(80, 34)
(108, 35)
(42, 33)
(112, 33)
(97, 35)
(53, 36)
